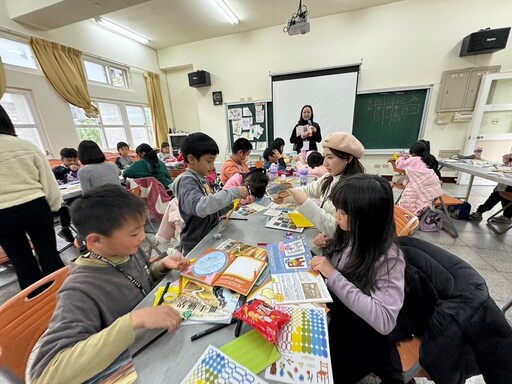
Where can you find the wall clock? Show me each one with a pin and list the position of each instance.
(217, 97)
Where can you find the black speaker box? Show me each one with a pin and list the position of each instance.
(484, 41)
(199, 79)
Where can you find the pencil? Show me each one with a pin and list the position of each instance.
(215, 328)
(166, 288)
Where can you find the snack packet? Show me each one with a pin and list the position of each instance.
(264, 318)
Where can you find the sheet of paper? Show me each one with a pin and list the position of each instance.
(252, 351)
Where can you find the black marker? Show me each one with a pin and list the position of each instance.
(215, 328)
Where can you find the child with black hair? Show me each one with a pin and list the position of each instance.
(256, 181)
(67, 172)
(149, 166)
(93, 324)
(271, 155)
(198, 207)
(423, 183)
(237, 162)
(278, 144)
(124, 160)
(365, 272)
(96, 169)
(165, 154)
(314, 163)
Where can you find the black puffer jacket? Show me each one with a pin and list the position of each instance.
(447, 304)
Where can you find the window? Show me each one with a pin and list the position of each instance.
(17, 53)
(18, 106)
(117, 122)
(106, 73)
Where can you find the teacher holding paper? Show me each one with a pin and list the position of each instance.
(306, 132)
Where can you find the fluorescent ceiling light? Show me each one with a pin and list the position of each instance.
(227, 11)
(110, 25)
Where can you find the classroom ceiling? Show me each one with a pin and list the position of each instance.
(172, 22)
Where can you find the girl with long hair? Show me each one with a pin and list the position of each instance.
(310, 132)
(149, 166)
(364, 269)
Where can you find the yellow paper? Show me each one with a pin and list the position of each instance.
(300, 220)
(252, 351)
(173, 291)
(235, 205)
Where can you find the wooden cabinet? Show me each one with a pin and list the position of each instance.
(459, 88)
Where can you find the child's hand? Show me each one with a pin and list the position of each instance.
(322, 240)
(323, 265)
(244, 192)
(161, 317)
(176, 261)
(299, 196)
(74, 167)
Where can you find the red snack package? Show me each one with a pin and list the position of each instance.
(263, 317)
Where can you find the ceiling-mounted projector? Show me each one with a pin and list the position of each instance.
(299, 22)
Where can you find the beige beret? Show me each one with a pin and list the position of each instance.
(344, 142)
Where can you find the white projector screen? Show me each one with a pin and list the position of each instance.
(331, 92)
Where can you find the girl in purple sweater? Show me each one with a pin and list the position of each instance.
(364, 269)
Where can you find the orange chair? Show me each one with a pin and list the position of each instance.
(406, 222)
(409, 351)
(23, 319)
(3, 257)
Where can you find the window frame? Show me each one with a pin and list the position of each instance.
(17, 67)
(108, 66)
(148, 125)
(38, 124)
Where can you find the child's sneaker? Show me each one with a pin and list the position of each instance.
(501, 220)
(475, 216)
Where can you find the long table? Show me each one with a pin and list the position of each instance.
(171, 357)
(474, 170)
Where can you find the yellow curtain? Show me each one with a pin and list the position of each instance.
(63, 68)
(3, 82)
(156, 104)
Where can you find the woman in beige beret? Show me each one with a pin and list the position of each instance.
(342, 152)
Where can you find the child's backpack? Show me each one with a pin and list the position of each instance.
(431, 221)
(460, 211)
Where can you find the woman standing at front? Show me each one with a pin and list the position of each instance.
(28, 195)
(306, 132)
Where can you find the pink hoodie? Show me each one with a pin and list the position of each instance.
(317, 171)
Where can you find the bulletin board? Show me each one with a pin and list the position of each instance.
(388, 120)
(252, 120)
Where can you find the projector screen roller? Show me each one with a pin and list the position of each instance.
(331, 92)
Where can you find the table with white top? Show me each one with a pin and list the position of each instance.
(172, 356)
(488, 172)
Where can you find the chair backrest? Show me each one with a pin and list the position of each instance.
(23, 319)
(405, 222)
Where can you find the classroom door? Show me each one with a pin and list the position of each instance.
(491, 127)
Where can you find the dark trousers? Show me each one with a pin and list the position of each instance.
(34, 219)
(357, 349)
(494, 199)
(65, 218)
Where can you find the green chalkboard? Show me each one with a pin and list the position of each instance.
(389, 120)
(252, 120)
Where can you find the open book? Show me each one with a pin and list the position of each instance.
(292, 279)
(217, 268)
(301, 129)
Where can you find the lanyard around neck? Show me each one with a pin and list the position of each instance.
(119, 269)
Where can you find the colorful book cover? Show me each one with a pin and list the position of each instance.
(304, 346)
(290, 255)
(238, 248)
(218, 268)
(283, 223)
(215, 367)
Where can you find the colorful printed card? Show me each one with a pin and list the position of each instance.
(304, 347)
(283, 223)
(287, 256)
(214, 367)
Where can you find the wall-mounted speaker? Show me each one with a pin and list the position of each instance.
(484, 41)
(199, 79)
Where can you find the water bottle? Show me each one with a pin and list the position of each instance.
(303, 176)
(273, 171)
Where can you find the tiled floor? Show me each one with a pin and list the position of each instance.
(488, 253)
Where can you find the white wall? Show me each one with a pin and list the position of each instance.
(90, 39)
(407, 43)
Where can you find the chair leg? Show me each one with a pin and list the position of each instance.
(452, 231)
(495, 228)
(153, 230)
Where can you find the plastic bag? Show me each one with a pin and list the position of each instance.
(431, 222)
